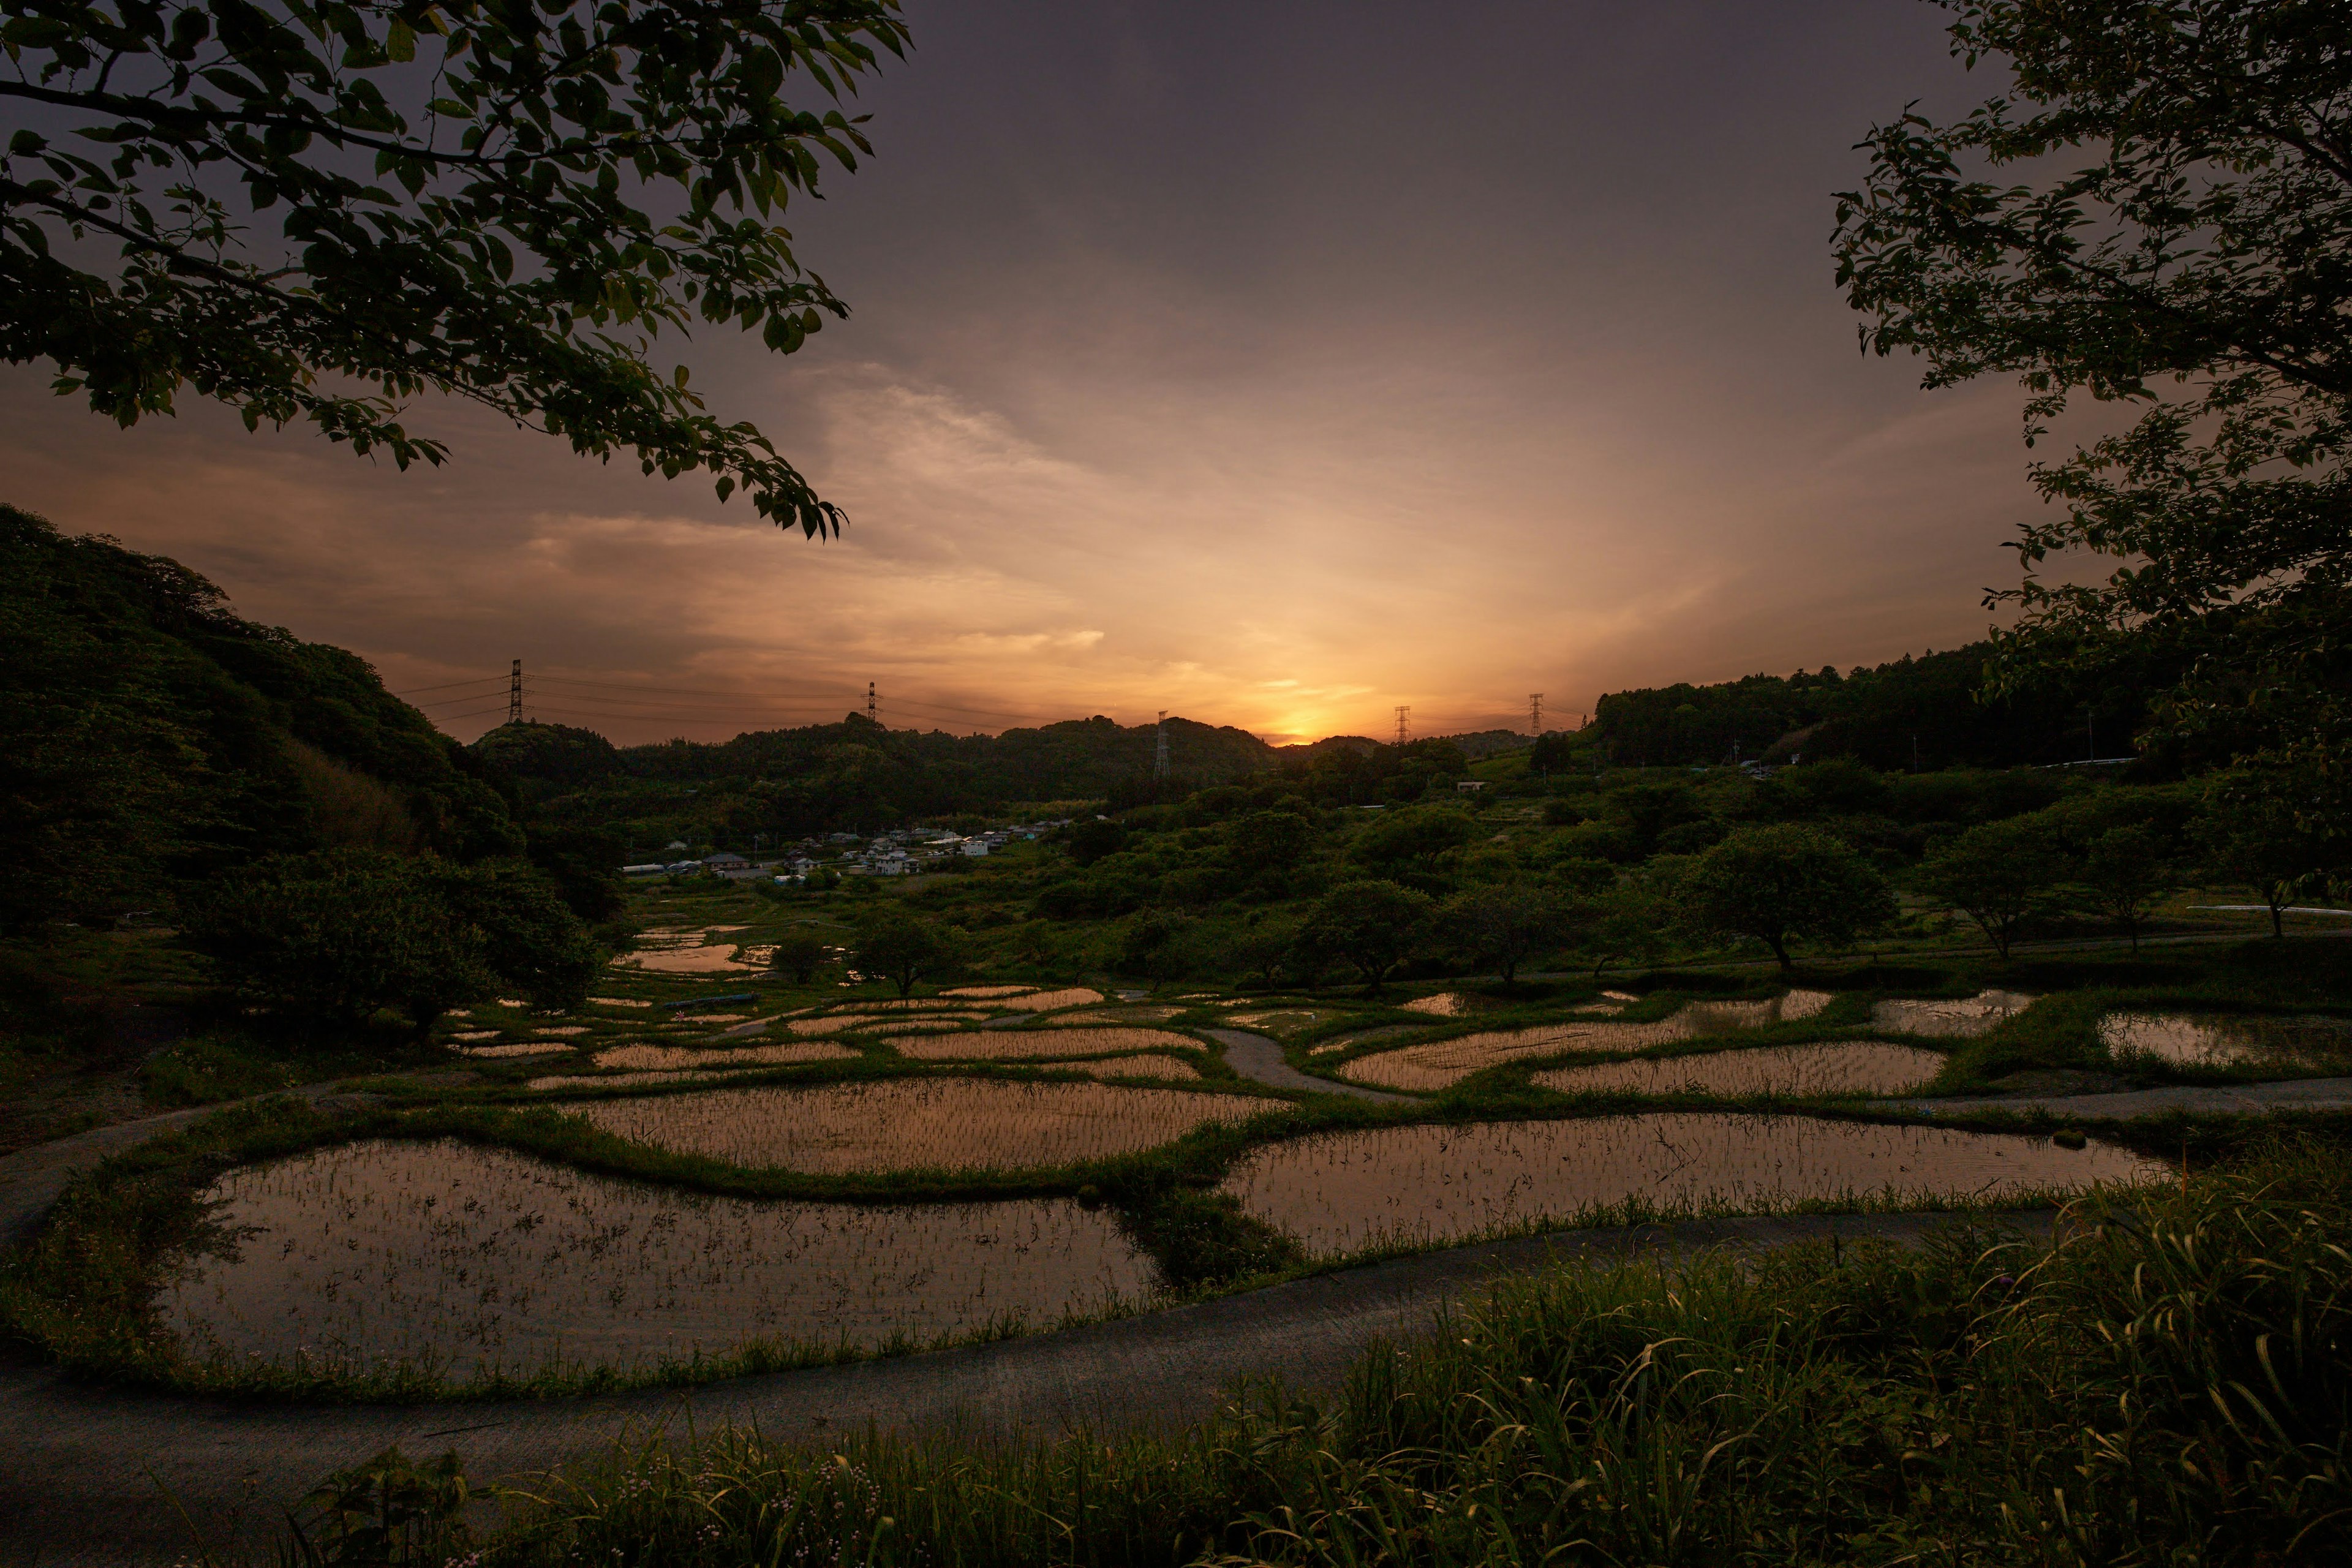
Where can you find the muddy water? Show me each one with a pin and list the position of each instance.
(1341, 1190)
(897, 1124)
(1425, 1069)
(2287, 1044)
(1974, 1015)
(1030, 1045)
(1856, 1067)
(469, 1260)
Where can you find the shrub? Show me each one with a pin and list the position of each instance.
(1769, 884)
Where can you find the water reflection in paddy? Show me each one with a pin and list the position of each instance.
(1972, 1016)
(1339, 1191)
(472, 1258)
(959, 1123)
(1854, 1067)
(2186, 1041)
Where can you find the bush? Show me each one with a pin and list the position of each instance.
(335, 937)
(1769, 884)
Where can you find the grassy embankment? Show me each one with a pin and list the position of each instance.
(2172, 1384)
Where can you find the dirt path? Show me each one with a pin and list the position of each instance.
(88, 1471)
(1255, 1056)
(2236, 1099)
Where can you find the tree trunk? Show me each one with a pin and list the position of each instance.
(1780, 952)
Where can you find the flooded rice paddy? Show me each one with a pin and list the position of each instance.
(2183, 1040)
(1444, 1005)
(988, 990)
(644, 1057)
(1154, 1012)
(1337, 1192)
(903, 1123)
(514, 1048)
(1974, 1016)
(1441, 1064)
(1855, 1066)
(1037, 1045)
(1046, 1001)
(1143, 1067)
(468, 1259)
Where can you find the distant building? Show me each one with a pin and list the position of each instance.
(975, 847)
(1468, 786)
(727, 860)
(652, 870)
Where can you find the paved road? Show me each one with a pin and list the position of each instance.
(1255, 1056)
(2236, 1099)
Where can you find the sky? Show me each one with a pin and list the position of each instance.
(1272, 365)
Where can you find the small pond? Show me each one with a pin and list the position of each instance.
(468, 1259)
(1851, 1067)
(899, 1123)
(1338, 1192)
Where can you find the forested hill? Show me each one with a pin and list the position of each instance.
(150, 739)
(1914, 712)
(854, 774)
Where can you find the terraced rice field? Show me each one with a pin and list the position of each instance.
(1853, 1066)
(1154, 1012)
(1047, 1001)
(1444, 1005)
(1338, 1192)
(879, 1023)
(467, 1259)
(1441, 1064)
(514, 1048)
(2287, 1044)
(1143, 1067)
(638, 1057)
(1974, 1015)
(989, 991)
(903, 1123)
(1037, 1045)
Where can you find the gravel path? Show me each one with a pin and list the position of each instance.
(1255, 1056)
(2236, 1099)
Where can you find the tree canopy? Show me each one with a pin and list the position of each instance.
(2156, 212)
(320, 211)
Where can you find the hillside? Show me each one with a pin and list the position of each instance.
(154, 738)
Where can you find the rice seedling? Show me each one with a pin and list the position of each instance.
(951, 1123)
(2165, 1385)
(2178, 1039)
(1855, 1066)
(1030, 1045)
(515, 1048)
(1340, 1191)
(1441, 1064)
(469, 1262)
(638, 1057)
(1143, 1067)
(1975, 1015)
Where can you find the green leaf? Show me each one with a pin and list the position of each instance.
(400, 41)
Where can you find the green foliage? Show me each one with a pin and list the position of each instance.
(445, 183)
(2155, 209)
(336, 936)
(2281, 824)
(1088, 842)
(1506, 924)
(207, 1069)
(150, 740)
(2167, 1384)
(901, 948)
(1372, 925)
(1771, 883)
(384, 1512)
(2124, 874)
(2004, 875)
(799, 952)
(1414, 839)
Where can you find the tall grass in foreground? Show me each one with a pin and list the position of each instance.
(2173, 1383)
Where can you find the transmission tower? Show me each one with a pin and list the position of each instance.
(1160, 760)
(1401, 710)
(1534, 712)
(514, 694)
(870, 703)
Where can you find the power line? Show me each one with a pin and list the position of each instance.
(446, 684)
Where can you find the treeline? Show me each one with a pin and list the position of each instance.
(856, 776)
(1916, 713)
(164, 759)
